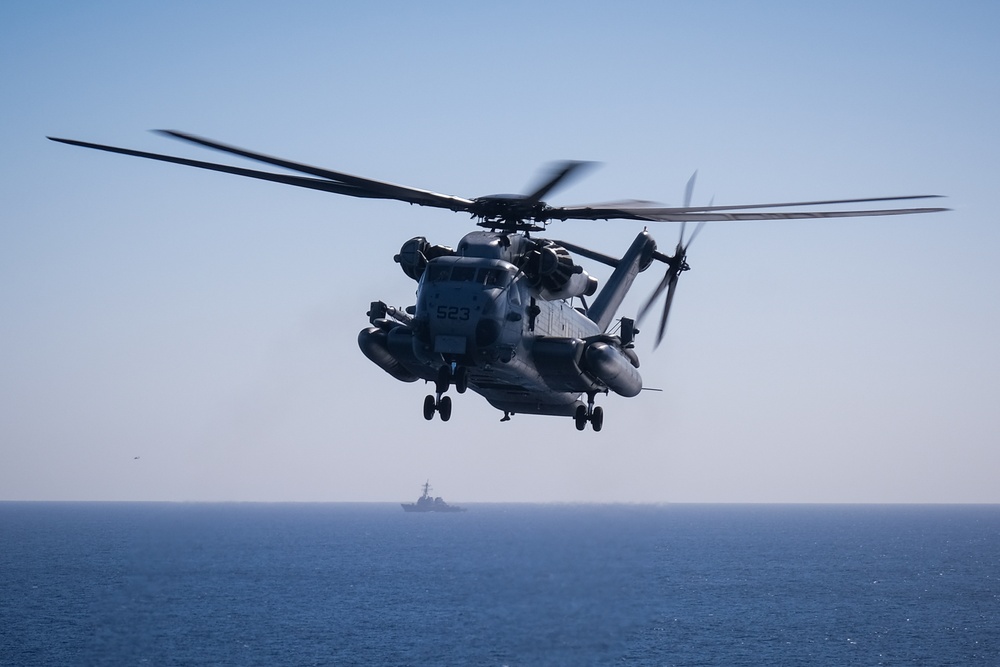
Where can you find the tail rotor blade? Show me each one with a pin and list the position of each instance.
(689, 189)
(694, 235)
(675, 266)
(666, 310)
(664, 282)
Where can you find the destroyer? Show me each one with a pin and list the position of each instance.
(427, 504)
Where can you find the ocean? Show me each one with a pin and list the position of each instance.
(368, 584)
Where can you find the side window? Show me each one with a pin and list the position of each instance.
(490, 277)
(438, 272)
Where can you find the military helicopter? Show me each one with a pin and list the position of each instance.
(506, 312)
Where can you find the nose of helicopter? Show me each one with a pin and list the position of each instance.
(460, 319)
(461, 305)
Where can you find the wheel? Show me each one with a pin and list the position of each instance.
(444, 407)
(597, 419)
(580, 417)
(461, 379)
(443, 379)
(429, 408)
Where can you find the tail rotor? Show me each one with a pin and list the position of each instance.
(676, 264)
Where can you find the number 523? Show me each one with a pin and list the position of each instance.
(452, 313)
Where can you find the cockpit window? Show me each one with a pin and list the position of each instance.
(438, 272)
(491, 277)
(463, 274)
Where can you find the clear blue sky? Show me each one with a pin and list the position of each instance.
(207, 324)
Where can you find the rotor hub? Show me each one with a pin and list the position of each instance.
(510, 212)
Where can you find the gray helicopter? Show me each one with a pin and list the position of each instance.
(506, 313)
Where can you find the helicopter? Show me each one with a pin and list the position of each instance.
(506, 312)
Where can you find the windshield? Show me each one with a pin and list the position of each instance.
(490, 277)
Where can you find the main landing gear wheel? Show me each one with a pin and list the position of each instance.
(597, 419)
(443, 380)
(446, 378)
(461, 379)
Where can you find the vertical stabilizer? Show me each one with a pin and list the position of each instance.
(638, 257)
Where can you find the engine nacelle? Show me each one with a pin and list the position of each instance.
(551, 270)
(415, 254)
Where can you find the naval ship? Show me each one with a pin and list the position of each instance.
(427, 504)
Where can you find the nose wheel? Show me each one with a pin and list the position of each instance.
(441, 405)
(589, 413)
(438, 402)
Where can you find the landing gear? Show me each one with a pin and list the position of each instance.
(589, 413)
(597, 418)
(440, 403)
(447, 377)
(443, 379)
(444, 407)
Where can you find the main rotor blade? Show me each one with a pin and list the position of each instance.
(287, 179)
(612, 211)
(561, 171)
(828, 202)
(776, 215)
(649, 211)
(385, 190)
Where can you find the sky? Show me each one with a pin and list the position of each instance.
(170, 334)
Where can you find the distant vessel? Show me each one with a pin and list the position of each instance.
(427, 504)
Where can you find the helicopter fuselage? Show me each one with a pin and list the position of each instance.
(487, 319)
(494, 330)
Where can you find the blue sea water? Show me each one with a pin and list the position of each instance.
(367, 584)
